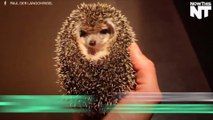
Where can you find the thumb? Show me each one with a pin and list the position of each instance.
(145, 70)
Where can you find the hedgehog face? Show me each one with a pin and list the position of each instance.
(94, 41)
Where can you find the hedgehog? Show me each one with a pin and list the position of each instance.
(92, 56)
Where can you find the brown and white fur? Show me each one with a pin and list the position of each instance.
(94, 41)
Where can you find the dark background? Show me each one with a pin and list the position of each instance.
(180, 47)
(200, 33)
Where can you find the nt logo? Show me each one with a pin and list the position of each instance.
(199, 8)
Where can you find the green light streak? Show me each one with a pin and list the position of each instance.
(44, 103)
(6, 103)
(162, 108)
(77, 103)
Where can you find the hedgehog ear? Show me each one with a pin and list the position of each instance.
(110, 24)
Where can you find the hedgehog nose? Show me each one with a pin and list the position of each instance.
(92, 43)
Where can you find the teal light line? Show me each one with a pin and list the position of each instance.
(44, 103)
(6, 103)
(162, 108)
(78, 103)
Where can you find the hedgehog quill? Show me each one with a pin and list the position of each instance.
(92, 56)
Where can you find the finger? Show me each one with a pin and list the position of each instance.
(139, 60)
(146, 75)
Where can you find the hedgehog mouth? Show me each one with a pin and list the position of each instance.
(92, 51)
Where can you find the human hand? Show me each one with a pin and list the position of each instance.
(146, 80)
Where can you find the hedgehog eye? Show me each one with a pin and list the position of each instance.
(82, 33)
(104, 31)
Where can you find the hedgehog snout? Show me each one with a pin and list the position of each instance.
(92, 42)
